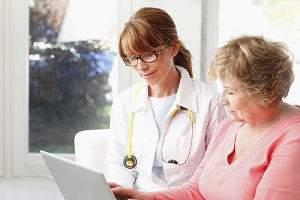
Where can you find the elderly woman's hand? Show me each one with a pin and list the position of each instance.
(127, 193)
(113, 185)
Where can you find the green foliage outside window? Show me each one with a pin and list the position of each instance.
(69, 88)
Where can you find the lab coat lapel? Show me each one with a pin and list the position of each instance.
(141, 102)
(141, 98)
(186, 96)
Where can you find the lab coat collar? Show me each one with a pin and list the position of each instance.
(185, 97)
(142, 97)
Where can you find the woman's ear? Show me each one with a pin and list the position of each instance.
(175, 47)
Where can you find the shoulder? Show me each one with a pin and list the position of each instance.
(226, 128)
(205, 92)
(228, 123)
(204, 87)
(289, 124)
(127, 96)
(200, 87)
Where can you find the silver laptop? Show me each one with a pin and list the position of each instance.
(75, 181)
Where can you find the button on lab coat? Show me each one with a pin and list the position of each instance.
(193, 94)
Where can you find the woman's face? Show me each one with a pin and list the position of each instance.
(157, 71)
(240, 106)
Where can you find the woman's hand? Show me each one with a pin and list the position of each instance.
(113, 185)
(124, 193)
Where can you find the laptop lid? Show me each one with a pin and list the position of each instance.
(75, 181)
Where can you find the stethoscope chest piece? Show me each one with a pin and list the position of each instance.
(130, 163)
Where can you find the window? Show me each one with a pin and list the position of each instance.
(16, 158)
(71, 56)
(278, 20)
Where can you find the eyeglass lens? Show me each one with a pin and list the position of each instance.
(147, 58)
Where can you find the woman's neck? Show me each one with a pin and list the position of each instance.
(272, 115)
(167, 87)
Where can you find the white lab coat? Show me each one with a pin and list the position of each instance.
(193, 94)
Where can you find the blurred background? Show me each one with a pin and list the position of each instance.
(60, 71)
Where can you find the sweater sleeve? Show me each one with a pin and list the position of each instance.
(281, 178)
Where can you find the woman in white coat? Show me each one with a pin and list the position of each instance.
(160, 127)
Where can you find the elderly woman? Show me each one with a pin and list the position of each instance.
(255, 152)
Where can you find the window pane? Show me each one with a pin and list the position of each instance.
(71, 58)
(278, 20)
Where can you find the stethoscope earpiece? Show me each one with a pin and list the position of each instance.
(130, 163)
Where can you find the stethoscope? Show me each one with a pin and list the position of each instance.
(130, 161)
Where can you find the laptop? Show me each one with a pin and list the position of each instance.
(75, 181)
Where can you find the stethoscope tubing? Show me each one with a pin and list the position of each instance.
(130, 161)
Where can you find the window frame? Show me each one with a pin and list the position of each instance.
(14, 20)
(2, 89)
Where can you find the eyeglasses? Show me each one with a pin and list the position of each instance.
(147, 58)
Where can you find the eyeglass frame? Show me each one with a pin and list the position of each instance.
(156, 53)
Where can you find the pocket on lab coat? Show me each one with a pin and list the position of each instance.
(176, 148)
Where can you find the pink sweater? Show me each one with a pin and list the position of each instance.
(268, 170)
